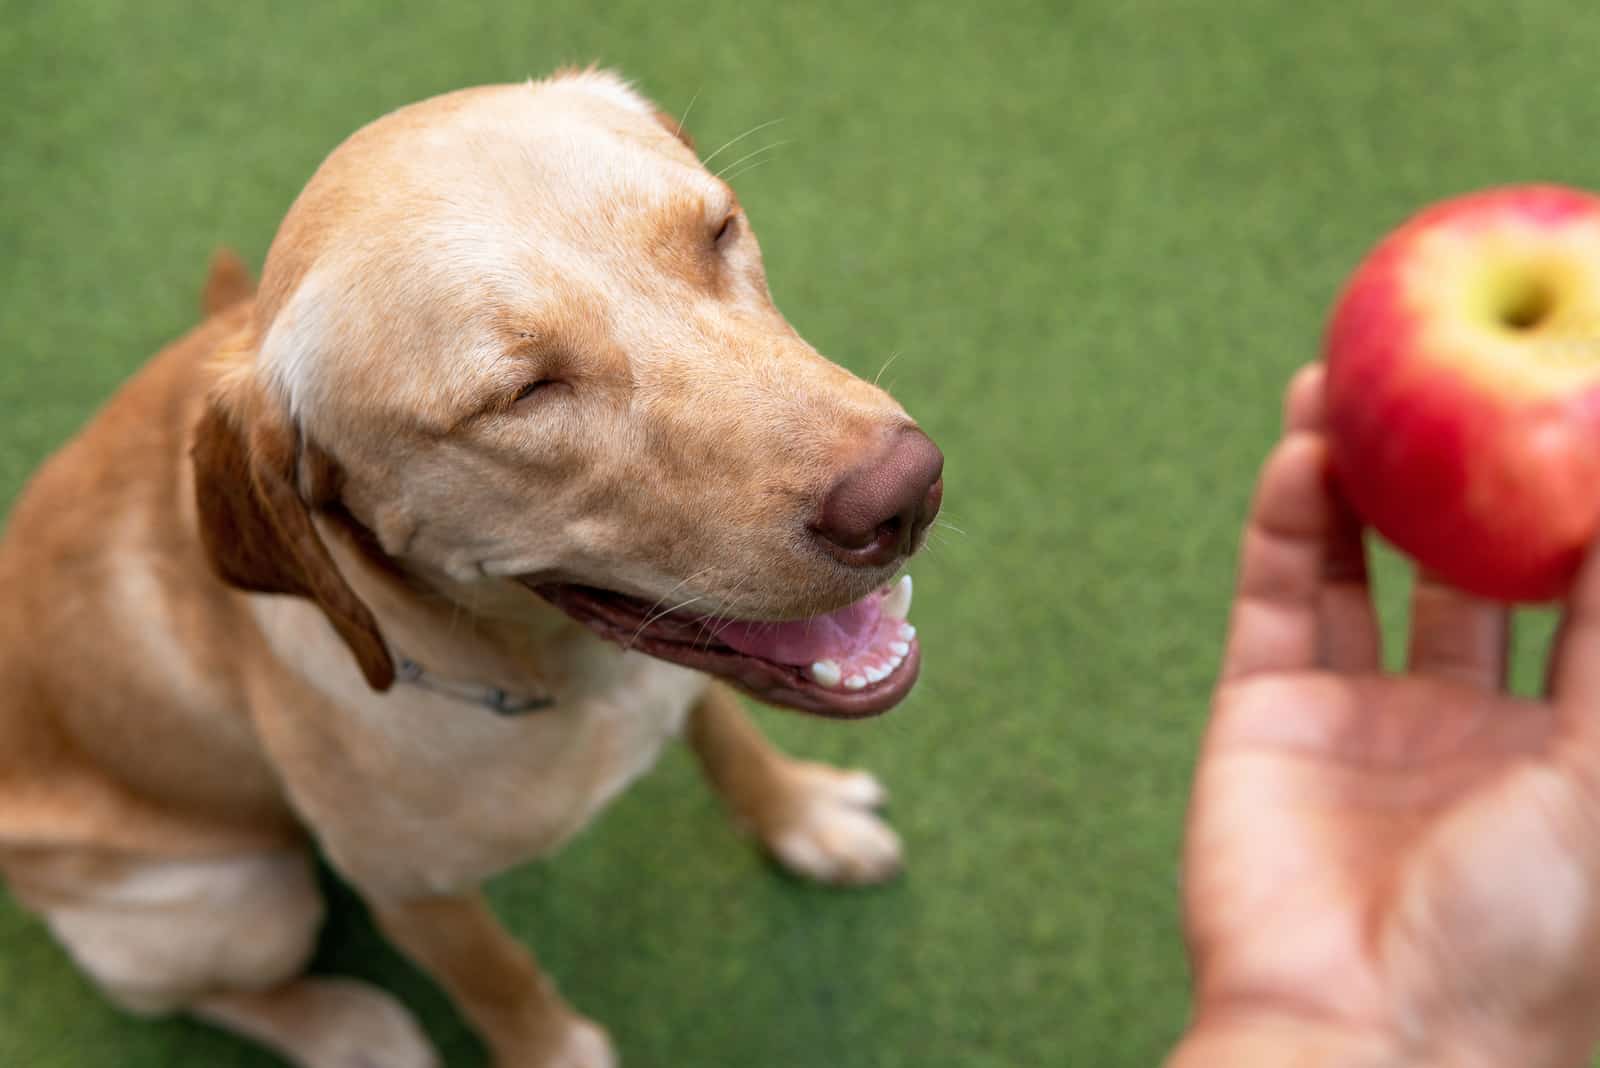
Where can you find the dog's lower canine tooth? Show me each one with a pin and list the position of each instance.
(898, 604)
(826, 673)
(907, 632)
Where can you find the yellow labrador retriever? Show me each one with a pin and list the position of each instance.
(508, 472)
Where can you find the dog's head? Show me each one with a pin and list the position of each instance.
(520, 335)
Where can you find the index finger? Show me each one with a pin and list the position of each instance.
(1275, 624)
(1351, 641)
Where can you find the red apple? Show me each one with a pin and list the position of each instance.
(1464, 389)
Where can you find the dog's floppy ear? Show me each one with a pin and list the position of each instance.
(257, 526)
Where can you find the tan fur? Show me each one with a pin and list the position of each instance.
(227, 283)
(197, 652)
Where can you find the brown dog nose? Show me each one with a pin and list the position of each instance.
(876, 512)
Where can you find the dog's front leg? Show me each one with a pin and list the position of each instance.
(495, 982)
(818, 821)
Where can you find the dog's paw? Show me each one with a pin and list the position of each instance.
(827, 830)
(327, 1023)
(373, 1030)
(581, 1043)
(586, 1046)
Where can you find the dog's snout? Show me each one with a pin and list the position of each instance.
(877, 511)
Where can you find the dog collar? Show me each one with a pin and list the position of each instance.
(493, 698)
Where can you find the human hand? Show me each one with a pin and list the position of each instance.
(1387, 869)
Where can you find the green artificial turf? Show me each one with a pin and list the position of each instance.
(1097, 237)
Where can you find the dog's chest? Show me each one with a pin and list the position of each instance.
(521, 786)
(416, 791)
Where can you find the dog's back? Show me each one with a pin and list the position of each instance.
(123, 722)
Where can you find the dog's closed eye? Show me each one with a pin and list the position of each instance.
(727, 231)
(535, 389)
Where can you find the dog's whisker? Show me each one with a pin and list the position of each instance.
(946, 525)
(753, 130)
(707, 632)
(750, 156)
(749, 161)
(717, 633)
(680, 584)
(887, 364)
(712, 626)
(653, 614)
(726, 612)
(746, 170)
(657, 612)
(659, 615)
(684, 118)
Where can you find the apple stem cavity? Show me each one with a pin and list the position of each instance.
(1528, 303)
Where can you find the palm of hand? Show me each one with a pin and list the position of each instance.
(1388, 853)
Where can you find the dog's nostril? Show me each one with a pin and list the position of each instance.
(875, 512)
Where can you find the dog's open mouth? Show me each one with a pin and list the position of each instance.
(856, 661)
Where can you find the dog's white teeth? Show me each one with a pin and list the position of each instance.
(907, 632)
(877, 674)
(898, 604)
(899, 649)
(855, 682)
(826, 673)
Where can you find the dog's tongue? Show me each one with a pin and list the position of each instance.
(805, 641)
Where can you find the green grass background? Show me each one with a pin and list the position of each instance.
(1098, 235)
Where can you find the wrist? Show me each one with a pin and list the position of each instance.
(1273, 1041)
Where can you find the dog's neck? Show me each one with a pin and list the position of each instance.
(507, 652)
